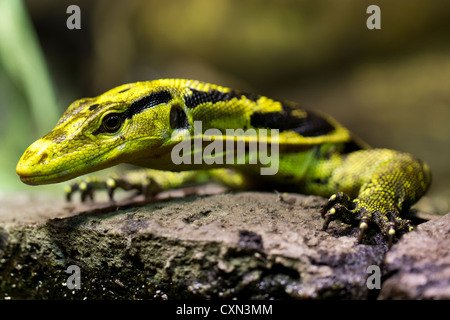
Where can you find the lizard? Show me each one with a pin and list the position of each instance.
(142, 123)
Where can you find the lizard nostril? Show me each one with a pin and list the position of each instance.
(43, 158)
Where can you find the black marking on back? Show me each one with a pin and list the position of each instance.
(351, 146)
(147, 102)
(199, 97)
(140, 105)
(124, 90)
(312, 125)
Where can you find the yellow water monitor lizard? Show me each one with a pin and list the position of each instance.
(187, 131)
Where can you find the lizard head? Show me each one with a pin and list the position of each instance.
(132, 121)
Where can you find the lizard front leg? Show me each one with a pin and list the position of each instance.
(149, 182)
(384, 184)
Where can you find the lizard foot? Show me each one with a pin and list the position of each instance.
(340, 207)
(145, 182)
(90, 185)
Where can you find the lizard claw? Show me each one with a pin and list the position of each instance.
(339, 206)
(328, 217)
(391, 234)
(338, 198)
(362, 228)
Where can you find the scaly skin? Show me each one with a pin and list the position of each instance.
(141, 123)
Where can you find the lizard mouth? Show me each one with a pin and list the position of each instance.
(35, 180)
(29, 177)
(29, 171)
(36, 167)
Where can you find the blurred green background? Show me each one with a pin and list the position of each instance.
(391, 87)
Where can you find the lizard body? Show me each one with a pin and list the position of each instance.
(142, 123)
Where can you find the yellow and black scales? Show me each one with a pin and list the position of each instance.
(140, 123)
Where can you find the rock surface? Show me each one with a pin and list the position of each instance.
(245, 245)
(419, 264)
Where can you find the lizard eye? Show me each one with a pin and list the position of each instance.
(112, 123)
